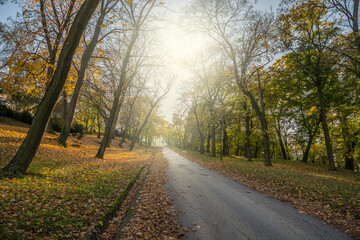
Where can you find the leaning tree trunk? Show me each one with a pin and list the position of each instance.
(264, 127)
(80, 80)
(20, 163)
(312, 135)
(325, 126)
(113, 126)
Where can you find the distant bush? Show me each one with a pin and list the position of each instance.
(24, 116)
(78, 130)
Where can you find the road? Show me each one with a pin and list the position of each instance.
(219, 208)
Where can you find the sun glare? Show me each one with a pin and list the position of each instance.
(179, 45)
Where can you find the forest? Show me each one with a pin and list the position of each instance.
(274, 85)
(85, 88)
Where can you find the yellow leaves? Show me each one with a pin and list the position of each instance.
(129, 1)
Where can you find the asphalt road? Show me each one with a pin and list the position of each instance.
(219, 208)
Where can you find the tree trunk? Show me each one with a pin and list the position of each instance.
(65, 106)
(113, 125)
(247, 133)
(237, 150)
(113, 116)
(349, 163)
(264, 127)
(350, 144)
(201, 136)
(85, 58)
(355, 26)
(208, 142)
(133, 141)
(213, 146)
(325, 126)
(184, 140)
(127, 123)
(20, 163)
(99, 125)
(225, 151)
(282, 146)
(312, 134)
(50, 126)
(256, 148)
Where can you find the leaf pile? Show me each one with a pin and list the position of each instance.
(66, 190)
(154, 216)
(333, 197)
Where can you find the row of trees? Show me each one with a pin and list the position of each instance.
(279, 85)
(88, 60)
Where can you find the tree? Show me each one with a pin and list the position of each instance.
(106, 7)
(248, 50)
(27, 150)
(308, 35)
(138, 14)
(153, 102)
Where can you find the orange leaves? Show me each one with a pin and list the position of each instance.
(66, 189)
(154, 217)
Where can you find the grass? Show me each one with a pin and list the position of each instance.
(333, 196)
(66, 190)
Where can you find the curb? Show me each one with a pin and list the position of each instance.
(110, 214)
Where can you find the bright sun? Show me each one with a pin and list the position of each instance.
(179, 45)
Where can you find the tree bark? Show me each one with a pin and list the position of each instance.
(135, 138)
(208, 142)
(325, 126)
(225, 151)
(213, 146)
(282, 146)
(99, 125)
(312, 135)
(264, 127)
(85, 58)
(20, 163)
(201, 136)
(247, 133)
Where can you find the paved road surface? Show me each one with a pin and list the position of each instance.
(224, 209)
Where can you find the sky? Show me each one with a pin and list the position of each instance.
(176, 47)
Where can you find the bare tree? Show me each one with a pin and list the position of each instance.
(138, 15)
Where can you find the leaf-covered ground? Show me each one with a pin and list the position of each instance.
(153, 215)
(66, 190)
(333, 197)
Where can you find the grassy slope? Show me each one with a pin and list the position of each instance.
(333, 197)
(66, 191)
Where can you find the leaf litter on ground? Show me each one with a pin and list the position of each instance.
(66, 190)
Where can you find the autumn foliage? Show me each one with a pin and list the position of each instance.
(66, 191)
